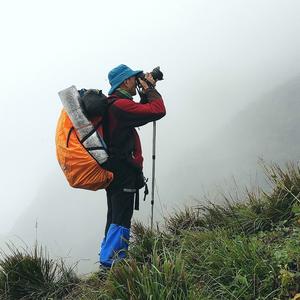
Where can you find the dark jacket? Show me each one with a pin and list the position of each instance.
(125, 151)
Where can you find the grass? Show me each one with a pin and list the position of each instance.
(243, 249)
(90, 288)
(258, 211)
(164, 278)
(33, 275)
(231, 267)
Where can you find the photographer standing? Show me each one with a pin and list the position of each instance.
(125, 153)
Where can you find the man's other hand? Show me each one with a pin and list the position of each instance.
(144, 84)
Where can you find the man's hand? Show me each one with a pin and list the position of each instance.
(144, 83)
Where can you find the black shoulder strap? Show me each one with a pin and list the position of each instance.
(68, 137)
(106, 135)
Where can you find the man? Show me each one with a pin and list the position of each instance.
(125, 154)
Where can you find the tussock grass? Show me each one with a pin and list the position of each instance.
(32, 274)
(144, 240)
(164, 278)
(90, 288)
(230, 268)
(186, 219)
(258, 211)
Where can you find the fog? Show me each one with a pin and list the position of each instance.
(218, 57)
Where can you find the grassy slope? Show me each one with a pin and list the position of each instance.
(241, 250)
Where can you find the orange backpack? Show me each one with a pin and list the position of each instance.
(80, 168)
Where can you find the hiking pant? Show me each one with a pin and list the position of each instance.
(121, 194)
(119, 208)
(117, 229)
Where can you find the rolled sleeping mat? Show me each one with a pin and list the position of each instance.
(94, 143)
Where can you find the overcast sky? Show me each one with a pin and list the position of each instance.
(217, 57)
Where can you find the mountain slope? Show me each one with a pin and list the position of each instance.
(73, 221)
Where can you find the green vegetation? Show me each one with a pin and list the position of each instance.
(33, 275)
(247, 249)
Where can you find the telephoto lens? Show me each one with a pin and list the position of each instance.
(156, 73)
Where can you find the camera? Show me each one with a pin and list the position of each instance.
(156, 73)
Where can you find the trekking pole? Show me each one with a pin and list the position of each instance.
(153, 171)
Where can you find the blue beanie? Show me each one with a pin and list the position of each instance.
(119, 74)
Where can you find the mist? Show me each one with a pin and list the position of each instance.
(219, 59)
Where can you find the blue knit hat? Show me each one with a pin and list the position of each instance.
(119, 74)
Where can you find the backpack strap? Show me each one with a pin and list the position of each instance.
(85, 137)
(91, 132)
(69, 135)
(106, 135)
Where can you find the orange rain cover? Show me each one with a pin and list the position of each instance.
(80, 168)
